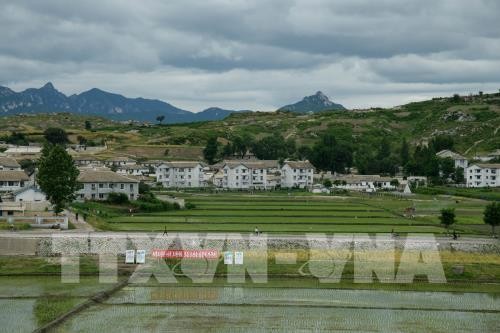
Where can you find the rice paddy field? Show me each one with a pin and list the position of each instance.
(300, 212)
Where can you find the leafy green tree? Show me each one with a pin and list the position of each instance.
(441, 142)
(56, 136)
(57, 176)
(447, 167)
(327, 183)
(211, 150)
(458, 175)
(384, 150)
(160, 119)
(272, 147)
(28, 166)
(304, 152)
(492, 215)
(447, 217)
(88, 125)
(405, 152)
(328, 154)
(227, 151)
(18, 139)
(395, 182)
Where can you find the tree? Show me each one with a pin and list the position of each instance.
(211, 149)
(405, 152)
(88, 125)
(57, 176)
(441, 142)
(447, 167)
(18, 139)
(160, 119)
(329, 154)
(456, 98)
(81, 140)
(28, 166)
(327, 183)
(384, 150)
(395, 182)
(56, 136)
(458, 175)
(447, 217)
(492, 215)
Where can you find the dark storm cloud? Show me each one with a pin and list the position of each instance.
(252, 53)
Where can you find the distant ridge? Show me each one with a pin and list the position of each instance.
(100, 103)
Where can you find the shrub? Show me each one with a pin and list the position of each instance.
(190, 205)
(118, 198)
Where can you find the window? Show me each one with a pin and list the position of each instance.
(93, 186)
(101, 196)
(122, 186)
(93, 195)
(131, 187)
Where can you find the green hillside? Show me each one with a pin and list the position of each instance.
(472, 122)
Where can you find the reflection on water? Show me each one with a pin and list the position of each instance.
(228, 309)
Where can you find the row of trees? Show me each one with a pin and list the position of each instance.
(333, 152)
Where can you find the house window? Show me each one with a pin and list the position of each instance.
(93, 186)
(122, 186)
(101, 196)
(131, 187)
(101, 185)
(93, 195)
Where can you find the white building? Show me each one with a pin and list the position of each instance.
(12, 180)
(29, 194)
(247, 174)
(117, 161)
(483, 175)
(460, 161)
(180, 174)
(133, 170)
(363, 183)
(297, 174)
(97, 184)
(7, 163)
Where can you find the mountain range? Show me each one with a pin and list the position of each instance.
(117, 107)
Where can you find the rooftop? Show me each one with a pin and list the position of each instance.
(8, 175)
(103, 176)
(9, 162)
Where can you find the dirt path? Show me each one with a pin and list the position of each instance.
(80, 224)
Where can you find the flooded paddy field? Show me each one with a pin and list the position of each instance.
(230, 309)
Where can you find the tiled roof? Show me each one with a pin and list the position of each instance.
(9, 162)
(7, 175)
(252, 164)
(101, 176)
(299, 164)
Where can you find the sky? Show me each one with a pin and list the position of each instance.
(257, 55)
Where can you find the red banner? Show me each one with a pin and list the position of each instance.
(189, 254)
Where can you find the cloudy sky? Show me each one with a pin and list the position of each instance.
(253, 54)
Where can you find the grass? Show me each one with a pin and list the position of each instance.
(49, 308)
(10, 265)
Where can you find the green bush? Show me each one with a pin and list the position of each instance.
(190, 205)
(118, 198)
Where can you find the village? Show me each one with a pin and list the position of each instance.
(20, 195)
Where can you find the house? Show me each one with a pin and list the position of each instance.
(133, 170)
(248, 174)
(297, 174)
(180, 174)
(117, 161)
(87, 161)
(363, 183)
(483, 175)
(29, 194)
(460, 161)
(23, 150)
(7, 163)
(97, 184)
(12, 180)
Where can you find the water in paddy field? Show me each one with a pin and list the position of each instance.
(156, 308)
(230, 309)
